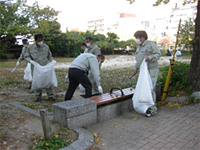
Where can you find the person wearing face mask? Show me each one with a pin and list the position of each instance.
(84, 47)
(25, 46)
(78, 74)
(21, 57)
(149, 51)
(40, 53)
(94, 49)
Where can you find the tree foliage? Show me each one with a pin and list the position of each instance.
(11, 23)
(187, 34)
(20, 19)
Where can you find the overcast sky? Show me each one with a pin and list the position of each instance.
(76, 13)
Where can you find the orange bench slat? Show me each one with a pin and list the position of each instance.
(116, 95)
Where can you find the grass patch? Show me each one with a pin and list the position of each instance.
(32, 106)
(117, 78)
(60, 139)
(7, 83)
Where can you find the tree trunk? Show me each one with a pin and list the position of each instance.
(194, 72)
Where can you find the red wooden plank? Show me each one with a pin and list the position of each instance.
(116, 95)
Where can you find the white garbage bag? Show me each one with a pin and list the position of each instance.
(44, 77)
(27, 73)
(142, 98)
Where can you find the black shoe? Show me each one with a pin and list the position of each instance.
(149, 113)
(37, 99)
(52, 98)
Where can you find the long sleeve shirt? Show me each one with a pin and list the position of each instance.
(88, 62)
(147, 49)
(40, 54)
(21, 57)
(94, 49)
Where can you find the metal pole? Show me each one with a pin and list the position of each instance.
(171, 66)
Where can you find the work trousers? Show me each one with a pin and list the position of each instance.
(154, 75)
(76, 77)
(49, 91)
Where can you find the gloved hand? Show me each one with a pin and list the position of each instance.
(100, 89)
(17, 64)
(66, 78)
(31, 61)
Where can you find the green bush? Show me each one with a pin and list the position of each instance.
(179, 76)
(57, 142)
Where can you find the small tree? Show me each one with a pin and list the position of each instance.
(187, 34)
(13, 21)
(112, 37)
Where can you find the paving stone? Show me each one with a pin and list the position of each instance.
(170, 129)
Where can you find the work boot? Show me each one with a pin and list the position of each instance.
(37, 99)
(149, 113)
(52, 98)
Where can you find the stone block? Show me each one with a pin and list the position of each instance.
(75, 113)
(76, 107)
(196, 95)
(126, 106)
(82, 120)
(182, 99)
(171, 99)
(109, 111)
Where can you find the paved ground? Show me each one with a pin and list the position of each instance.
(171, 129)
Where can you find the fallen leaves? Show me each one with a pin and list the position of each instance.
(115, 126)
(189, 122)
(95, 135)
(135, 118)
(96, 141)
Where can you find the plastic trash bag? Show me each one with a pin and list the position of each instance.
(27, 73)
(17, 64)
(67, 78)
(44, 77)
(142, 98)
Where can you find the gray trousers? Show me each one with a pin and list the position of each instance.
(38, 93)
(154, 75)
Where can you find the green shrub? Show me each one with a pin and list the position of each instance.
(57, 142)
(179, 76)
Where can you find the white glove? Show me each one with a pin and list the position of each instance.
(66, 78)
(17, 64)
(100, 89)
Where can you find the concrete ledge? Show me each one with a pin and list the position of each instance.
(75, 107)
(75, 113)
(176, 99)
(196, 95)
(112, 110)
(85, 140)
(31, 111)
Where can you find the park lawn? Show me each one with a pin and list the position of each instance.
(14, 89)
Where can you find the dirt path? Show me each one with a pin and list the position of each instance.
(122, 61)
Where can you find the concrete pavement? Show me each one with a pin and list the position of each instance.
(171, 129)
